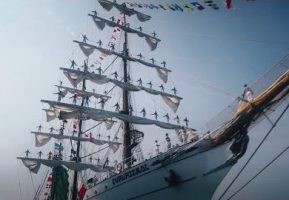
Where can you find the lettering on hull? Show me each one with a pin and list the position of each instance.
(131, 173)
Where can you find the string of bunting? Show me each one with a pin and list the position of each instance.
(48, 186)
(195, 5)
(112, 42)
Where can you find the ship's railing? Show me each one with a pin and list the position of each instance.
(147, 154)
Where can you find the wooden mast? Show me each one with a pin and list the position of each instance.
(125, 97)
(75, 176)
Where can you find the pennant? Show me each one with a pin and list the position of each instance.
(176, 7)
(139, 5)
(198, 6)
(228, 4)
(161, 6)
(151, 6)
(187, 6)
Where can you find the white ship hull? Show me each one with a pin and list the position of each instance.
(147, 182)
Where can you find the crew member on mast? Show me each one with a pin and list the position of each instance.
(112, 18)
(153, 60)
(117, 107)
(27, 152)
(102, 102)
(164, 63)
(177, 119)
(139, 82)
(59, 95)
(74, 98)
(39, 128)
(185, 135)
(84, 38)
(162, 87)
(51, 129)
(150, 84)
(99, 43)
(186, 121)
(174, 90)
(167, 117)
(140, 56)
(157, 147)
(168, 140)
(40, 154)
(112, 46)
(73, 63)
(99, 70)
(115, 75)
(143, 111)
(49, 155)
(87, 100)
(130, 110)
(156, 115)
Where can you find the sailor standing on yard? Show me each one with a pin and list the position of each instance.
(157, 147)
(27, 152)
(102, 102)
(143, 111)
(247, 94)
(40, 154)
(87, 101)
(168, 140)
(74, 98)
(73, 63)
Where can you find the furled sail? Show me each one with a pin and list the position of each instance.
(76, 76)
(51, 114)
(43, 138)
(107, 5)
(82, 93)
(98, 115)
(101, 22)
(88, 49)
(33, 164)
(163, 72)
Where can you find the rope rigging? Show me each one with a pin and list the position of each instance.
(263, 169)
(255, 151)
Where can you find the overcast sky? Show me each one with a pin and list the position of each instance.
(212, 53)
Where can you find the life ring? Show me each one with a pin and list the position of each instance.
(119, 167)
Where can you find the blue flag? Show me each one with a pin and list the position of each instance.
(58, 147)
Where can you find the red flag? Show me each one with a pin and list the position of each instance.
(74, 124)
(82, 191)
(49, 179)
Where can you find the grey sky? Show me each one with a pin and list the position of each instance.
(205, 49)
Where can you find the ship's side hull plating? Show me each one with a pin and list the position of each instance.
(181, 178)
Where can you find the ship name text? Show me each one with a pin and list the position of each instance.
(130, 173)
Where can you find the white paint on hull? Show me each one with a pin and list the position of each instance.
(151, 184)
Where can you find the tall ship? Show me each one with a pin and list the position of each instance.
(191, 167)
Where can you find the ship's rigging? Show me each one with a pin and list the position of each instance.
(248, 112)
(67, 111)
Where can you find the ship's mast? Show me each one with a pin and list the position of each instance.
(74, 187)
(125, 98)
